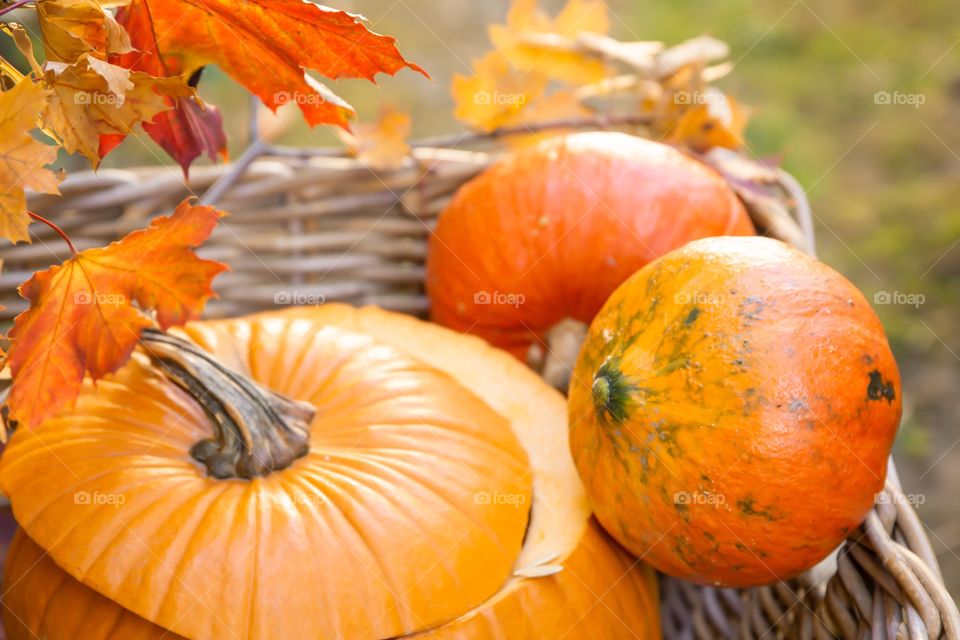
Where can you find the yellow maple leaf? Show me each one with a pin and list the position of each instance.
(381, 144)
(22, 158)
(563, 105)
(715, 120)
(72, 28)
(93, 97)
(531, 40)
(495, 93)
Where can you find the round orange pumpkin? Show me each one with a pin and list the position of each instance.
(416, 495)
(732, 411)
(41, 600)
(548, 233)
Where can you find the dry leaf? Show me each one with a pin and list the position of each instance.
(22, 39)
(22, 158)
(73, 28)
(717, 121)
(495, 93)
(641, 55)
(558, 106)
(93, 97)
(189, 128)
(523, 44)
(697, 51)
(83, 319)
(382, 144)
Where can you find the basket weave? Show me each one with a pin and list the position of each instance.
(309, 226)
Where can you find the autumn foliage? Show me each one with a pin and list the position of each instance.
(86, 314)
(106, 75)
(546, 69)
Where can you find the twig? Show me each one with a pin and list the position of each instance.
(598, 122)
(225, 181)
(253, 122)
(472, 137)
(15, 5)
(60, 232)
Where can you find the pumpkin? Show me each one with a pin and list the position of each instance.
(42, 600)
(547, 234)
(416, 495)
(732, 411)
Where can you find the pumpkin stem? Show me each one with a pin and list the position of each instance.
(256, 431)
(612, 391)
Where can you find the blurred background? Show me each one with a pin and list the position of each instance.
(860, 100)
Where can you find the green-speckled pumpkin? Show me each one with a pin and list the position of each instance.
(732, 411)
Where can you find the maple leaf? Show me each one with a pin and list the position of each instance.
(22, 158)
(189, 128)
(73, 28)
(382, 144)
(558, 106)
(495, 93)
(530, 39)
(266, 46)
(93, 97)
(82, 318)
(719, 121)
(185, 131)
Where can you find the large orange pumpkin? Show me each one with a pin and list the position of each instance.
(425, 491)
(548, 233)
(732, 411)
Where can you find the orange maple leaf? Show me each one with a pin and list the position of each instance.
(266, 46)
(382, 144)
(190, 128)
(719, 121)
(86, 315)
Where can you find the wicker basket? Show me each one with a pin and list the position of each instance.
(311, 226)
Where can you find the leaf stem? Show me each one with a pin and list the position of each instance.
(15, 5)
(60, 232)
